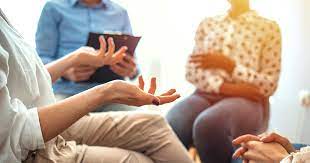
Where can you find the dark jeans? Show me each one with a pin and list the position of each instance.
(211, 122)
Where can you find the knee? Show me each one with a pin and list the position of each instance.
(207, 126)
(149, 119)
(134, 157)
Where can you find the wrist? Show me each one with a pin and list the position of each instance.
(226, 89)
(231, 67)
(282, 156)
(102, 94)
(72, 59)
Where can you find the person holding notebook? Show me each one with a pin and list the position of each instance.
(37, 129)
(63, 28)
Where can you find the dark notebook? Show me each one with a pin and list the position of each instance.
(105, 74)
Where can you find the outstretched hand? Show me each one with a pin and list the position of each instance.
(135, 95)
(164, 98)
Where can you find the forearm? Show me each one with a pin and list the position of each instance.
(56, 118)
(59, 67)
(240, 90)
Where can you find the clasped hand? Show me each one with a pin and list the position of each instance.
(265, 148)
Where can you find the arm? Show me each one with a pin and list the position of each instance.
(71, 109)
(47, 34)
(87, 57)
(266, 78)
(209, 80)
(20, 127)
(245, 90)
(44, 123)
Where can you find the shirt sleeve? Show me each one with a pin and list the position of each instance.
(47, 34)
(20, 127)
(127, 29)
(209, 80)
(303, 156)
(266, 78)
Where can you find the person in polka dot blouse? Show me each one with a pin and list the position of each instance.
(235, 66)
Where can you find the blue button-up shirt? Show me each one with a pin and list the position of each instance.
(64, 26)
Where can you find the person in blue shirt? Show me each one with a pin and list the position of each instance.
(63, 28)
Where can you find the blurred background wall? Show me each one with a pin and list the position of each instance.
(168, 28)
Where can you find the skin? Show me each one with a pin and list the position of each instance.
(220, 61)
(91, 2)
(56, 118)
(238, 7)
(265, 148)
(126, 67)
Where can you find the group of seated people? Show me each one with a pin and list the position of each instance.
(235, 67)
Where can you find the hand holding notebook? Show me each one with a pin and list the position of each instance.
(105, 74)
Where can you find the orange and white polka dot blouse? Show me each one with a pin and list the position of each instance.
(252, 41)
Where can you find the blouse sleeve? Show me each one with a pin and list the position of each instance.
(266, 78)
(20, 127)
(303, 156)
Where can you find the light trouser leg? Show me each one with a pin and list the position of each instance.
(61, 151)
(94, 154)
(144, 133)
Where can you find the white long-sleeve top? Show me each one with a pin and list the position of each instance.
(303, 156)
(25, 85)
(252, 41)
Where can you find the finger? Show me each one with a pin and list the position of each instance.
(239, 152)
(198, 55)
(168, 99)
(111, 48)
(103, 45)
(150, 99)
(141, 82)
(202, 66)
(273, 137)
(250, 144)
(152, 86)
(130, 59)
(119, 70)
(170, 92)
(245, 161)
(263, 135)
(250, 155)
(119, 55)
(126, 69)
(126, 65)
(245, 138)
(196, 60)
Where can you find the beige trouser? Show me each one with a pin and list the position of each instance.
(115, 137)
